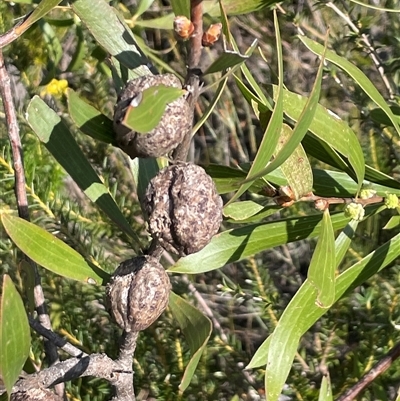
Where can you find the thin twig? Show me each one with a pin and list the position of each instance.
(374, 55)
(22, 199)
(195, 47)
(383, 365)
(192, 81)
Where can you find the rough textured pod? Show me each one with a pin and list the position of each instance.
(184, 209)
(138, 293)
(175, 123)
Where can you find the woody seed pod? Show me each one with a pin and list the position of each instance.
(184, 209)
(175, 123)
(138, 293)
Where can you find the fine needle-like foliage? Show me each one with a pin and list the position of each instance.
(291, 109)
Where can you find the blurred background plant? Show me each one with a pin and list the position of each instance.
(245, 298)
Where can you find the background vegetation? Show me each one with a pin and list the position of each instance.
(245, 298)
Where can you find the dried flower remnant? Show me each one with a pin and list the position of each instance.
(175, 123)
(138, 293)
(211, 35)
(184, 209)
(183, 27)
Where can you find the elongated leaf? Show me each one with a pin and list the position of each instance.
(197, 330)
(143, 170)
(146, 115)
(237, 7)
(273, 129)
(321, 272)
(239, 243)
(40, 11)
(359, 77)
(325, 392)
(293, 324)
(307, 291)
(164, 22)
(394, 222)
(296, 168)
(181, 7)
(242, 210)
(304, 301)
(329, 128)
(286, 336)
(225, 61)
(303, 123)
(388, 10)
(15, 338)
(111, 33)
(89, 120)
(143, 6)
(50, 252)
(58, 140)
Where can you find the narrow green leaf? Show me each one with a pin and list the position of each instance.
(80, 51)
(299, 131)
(40, 11)
(181, 7)
(329, 128)
(336, 183)
(358, 76)
(164, 22)
(394, 222)
(142, 7)
(342, 244)
(196, 328)
(296, 168)
(286, 336)
(237, 7)
(88, 119)
(111, 33)
(242, 210)
(58, 140)
(325, 392)
(236, 244)
(305, 297)
(15, 338)
(388, 10)
(225, 61)
(147, 110)
(321, 272)
(50, 252)
(272, 131)
(143, 170)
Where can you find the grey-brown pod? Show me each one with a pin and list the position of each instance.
(175, 123)
(183, 207)
(138, 293)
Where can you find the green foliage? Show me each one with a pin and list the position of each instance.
(280, 302)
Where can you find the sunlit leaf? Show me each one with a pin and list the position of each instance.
(143, 6)
(321, 272)
(50, 252)
(296, 168)
(302, 312)
(273, 129)
(88, 119)
(325, 392)
(149, 107)
(225, 61)
(181, 7)
(15, 338)
(329, 128)
(359, 77)
(111, 33)
(197, 330)
(55, 135)
(236, 244)
(40, 11)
